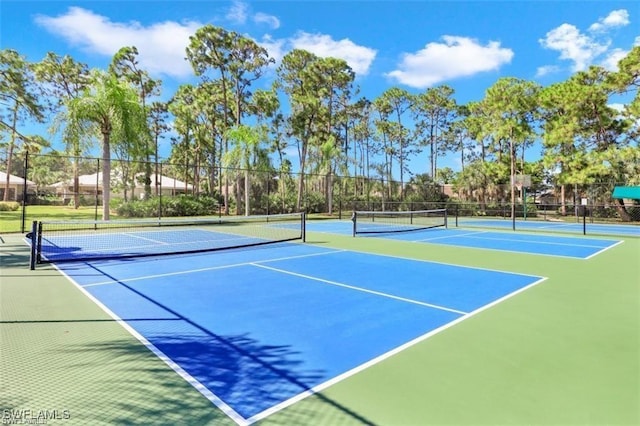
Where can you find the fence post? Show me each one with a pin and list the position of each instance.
(159, 192)
(95, 215)
(457, 213)
(24, 192)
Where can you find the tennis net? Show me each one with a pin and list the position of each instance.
(62, 241)
(370, 222)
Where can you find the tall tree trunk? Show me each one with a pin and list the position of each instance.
(512, 156)
(622, 211)
(303, 158)
(329, 191)
(300, 189)
(76, 183)
(106, 174)
(247, 186)
(157, 189)
(238, 188)
(12, 143)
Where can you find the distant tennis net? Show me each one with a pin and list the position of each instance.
(62, 241)
(377, 222)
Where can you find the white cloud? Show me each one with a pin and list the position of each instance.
(237, 13)
(161, 46)
(270, 20)
(617, 18)
(574, 46)
(275, 48)
(636, 42)
(358, 57)
(612, 59)
(583, 49)
(617, 107)
(546, 70)
(240, 12)
(454, 58)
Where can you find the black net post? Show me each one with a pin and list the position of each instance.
(353, 221)
(304, 227)
(34, 251)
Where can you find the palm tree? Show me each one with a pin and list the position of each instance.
(110, 109)
(246, 153)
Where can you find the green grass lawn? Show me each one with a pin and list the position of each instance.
(12, 221)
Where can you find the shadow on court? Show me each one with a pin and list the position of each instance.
(244, 373)
(61, 352)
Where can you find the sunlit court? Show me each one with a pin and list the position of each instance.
(320, 213)
(258, 319)
(263, 327)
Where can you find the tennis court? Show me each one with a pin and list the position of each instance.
(577, 227)
(337, 330)
(539, 244)
(254, 314)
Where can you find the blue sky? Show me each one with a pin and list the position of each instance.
(415, 45)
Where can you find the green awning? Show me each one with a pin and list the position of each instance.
(629, 192)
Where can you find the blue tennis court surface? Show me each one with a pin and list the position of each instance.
(258, 329)
(539, 225)
(81, 242)
(551, 245)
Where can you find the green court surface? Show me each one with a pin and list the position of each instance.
(563, 352)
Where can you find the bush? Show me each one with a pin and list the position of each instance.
(278, 205)
(634, 212)
(602, 212)
(183, 205)
(314, 202)
(9, 206)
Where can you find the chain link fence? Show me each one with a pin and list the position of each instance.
(63, 187)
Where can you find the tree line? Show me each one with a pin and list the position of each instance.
(237, 120)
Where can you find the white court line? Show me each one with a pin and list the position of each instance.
(512, 251)
(474, 235)
(377, 293)
(211, 268)
(130, 234)
(169, 244)
(381, 358)
(228, 410)
(447, 263)
(559, 225)
(451, 236)
(215, 400)
(525, 252)
(537, 242)
(604, 249)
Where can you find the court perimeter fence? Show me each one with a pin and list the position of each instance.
(72, 186)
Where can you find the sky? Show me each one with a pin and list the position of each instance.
(413, 45)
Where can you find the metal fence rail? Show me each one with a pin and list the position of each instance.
(53, 186)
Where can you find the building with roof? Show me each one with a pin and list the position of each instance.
(91, 186)
(15, 186)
